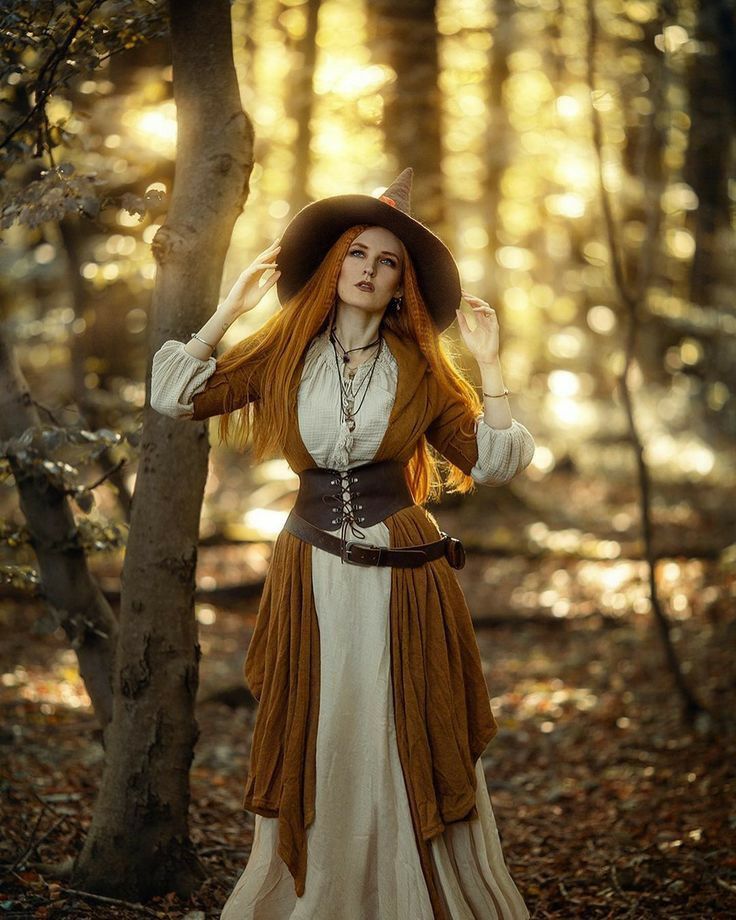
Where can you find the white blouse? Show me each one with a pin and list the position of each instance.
(176, 376)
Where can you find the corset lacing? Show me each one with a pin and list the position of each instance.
(343, 506)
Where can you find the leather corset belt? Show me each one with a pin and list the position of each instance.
(364, 494)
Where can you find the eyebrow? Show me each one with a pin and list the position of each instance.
(383, 251)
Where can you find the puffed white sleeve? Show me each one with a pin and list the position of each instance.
(175, 377)
(502, 452)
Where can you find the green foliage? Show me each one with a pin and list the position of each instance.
(56, 194)
(91, 536)
(21, 578)
(60, 192)
(47, 47)
(31, 455)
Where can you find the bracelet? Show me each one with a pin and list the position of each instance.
(505, 393)
(195, 336)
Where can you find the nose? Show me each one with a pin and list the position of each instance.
(368, 268)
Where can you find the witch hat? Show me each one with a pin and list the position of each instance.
(312, 231)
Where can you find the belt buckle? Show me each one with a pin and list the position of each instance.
(349, 544)
(454, 551)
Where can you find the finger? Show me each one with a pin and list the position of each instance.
(273, 248)
(269, 282)
(266, 257)
(266, 277)
(253, 271)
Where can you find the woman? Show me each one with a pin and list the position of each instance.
(365, 772)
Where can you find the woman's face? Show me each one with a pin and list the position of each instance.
(374, 257)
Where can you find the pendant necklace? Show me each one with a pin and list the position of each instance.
(347, 396)
(345, 358)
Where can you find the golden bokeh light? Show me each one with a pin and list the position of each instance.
(154, 127)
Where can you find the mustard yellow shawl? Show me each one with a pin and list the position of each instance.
(441, 705)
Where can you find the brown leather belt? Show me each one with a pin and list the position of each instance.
(370, 554)
(364, 494)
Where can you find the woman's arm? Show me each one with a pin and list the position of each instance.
(245, 294)
(211, 333)
(495, 399)
(185, 379)
(491, 455)
(503, 453)
(495, 447)
(176, 375)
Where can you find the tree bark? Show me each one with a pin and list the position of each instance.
(138, 844)
(709, 160)
(404, 36)
(71, 593)
(72, 238)
(300, 104)
(499, 143)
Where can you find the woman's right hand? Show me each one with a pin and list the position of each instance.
(247, 293)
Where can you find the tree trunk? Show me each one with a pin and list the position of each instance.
(300, 104)
(138, 844)
(499, 143)
(404, 36)
(73, 596)
(709, 158)
(71, 237)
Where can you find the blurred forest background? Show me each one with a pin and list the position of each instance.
(578, 158)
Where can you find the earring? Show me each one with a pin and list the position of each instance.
(397, 302)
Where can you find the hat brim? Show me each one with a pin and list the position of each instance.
(313, 230)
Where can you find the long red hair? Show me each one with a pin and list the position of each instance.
(273, 353)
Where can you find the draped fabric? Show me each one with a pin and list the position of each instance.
(419, 638)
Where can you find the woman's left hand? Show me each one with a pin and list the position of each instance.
(482, 341)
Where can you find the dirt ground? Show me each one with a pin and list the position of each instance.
(607, 804)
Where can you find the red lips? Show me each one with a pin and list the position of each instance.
(365, 285)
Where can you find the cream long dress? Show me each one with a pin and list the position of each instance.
(363, 862)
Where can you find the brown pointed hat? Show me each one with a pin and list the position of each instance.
(312, 231)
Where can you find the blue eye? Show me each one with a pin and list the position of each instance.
(388, 259)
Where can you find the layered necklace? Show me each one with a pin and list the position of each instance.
(347, 396)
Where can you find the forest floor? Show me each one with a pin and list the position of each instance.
(608, 806)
